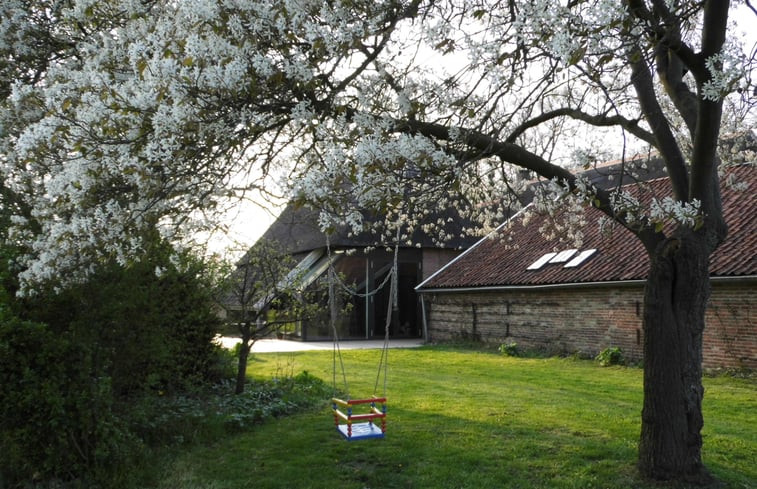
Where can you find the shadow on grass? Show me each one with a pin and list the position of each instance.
(431, 450)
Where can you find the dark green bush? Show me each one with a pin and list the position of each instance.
(146, 332)
(56, 419)
(79, 367)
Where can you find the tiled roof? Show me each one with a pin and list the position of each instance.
(297, 232)
(503, 258)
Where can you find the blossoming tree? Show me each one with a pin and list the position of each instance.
(119, 115)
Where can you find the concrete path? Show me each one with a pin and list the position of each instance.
(273, 345)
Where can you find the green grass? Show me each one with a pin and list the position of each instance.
(469, 419)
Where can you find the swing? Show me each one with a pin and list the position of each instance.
(370, 423)
(351, 430)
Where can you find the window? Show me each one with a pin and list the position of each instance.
(580, 258)
(541, 261)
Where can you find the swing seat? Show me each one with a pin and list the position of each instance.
(366, 426)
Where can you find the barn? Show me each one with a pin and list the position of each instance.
(516, 286)
(363, 263)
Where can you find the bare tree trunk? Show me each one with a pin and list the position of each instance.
(676, 295)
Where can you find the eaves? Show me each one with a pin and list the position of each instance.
(575, 285)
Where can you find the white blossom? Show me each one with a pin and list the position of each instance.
(725, 71)
(145, 111)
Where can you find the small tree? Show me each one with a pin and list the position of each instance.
(265, 292)
(262, 280)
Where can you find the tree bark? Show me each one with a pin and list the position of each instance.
(676, 295)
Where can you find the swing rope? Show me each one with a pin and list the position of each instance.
(333, 313)
(392, 305)
(354, 292)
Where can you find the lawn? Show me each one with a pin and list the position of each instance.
(460, 418)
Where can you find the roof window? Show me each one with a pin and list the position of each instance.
(563, 256)
(541, 261)
(582, 257)
(571, 258)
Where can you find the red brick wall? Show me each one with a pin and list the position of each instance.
(730, 336)
(587, 320)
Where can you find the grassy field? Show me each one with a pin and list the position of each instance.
(469, 419)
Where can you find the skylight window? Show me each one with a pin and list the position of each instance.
(582, 257)
(571, 258)
(541, 261)
(563, 256)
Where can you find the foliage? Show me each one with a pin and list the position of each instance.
(123, 115)
(76, 365)
(42, 434)
(610, 356)
(213, 412)
(56, 419)
(509, 349)
(147, 331)
(274, 398)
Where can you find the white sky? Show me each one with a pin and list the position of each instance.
(246, 220)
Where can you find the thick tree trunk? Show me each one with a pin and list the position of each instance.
(676, 296)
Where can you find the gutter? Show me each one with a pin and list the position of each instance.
(493, 288)
(734, 279)
(572, 285)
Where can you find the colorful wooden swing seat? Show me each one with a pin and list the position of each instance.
(360, 426)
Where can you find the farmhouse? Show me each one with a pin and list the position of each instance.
(363, 262)
(517, 286)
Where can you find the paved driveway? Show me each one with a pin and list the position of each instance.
(271, 345)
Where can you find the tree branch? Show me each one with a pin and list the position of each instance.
(629, 125)
(704, 184)
(665, 140)
(749, 4)
(487, 146)
(710, 112)
(671, 70)
(668, 35)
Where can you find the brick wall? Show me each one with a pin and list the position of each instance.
(730, 337)
(587, 320)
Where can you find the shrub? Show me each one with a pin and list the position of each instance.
(147, 333)
(56, 418)
(611, 356)
(78, 367)
(509, 349)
